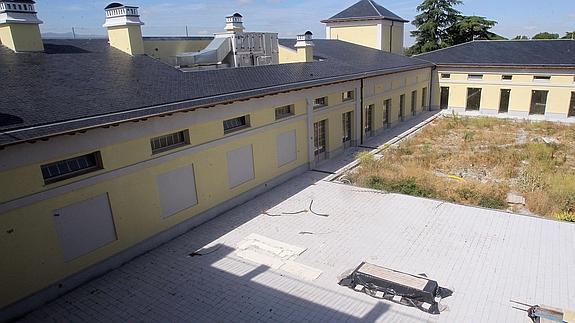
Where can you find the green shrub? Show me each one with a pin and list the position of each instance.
(366, 159)
(468, 135)
(407, 186)
(493, 202)
(467, 193)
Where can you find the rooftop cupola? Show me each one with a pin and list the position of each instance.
(304, 47)
(19, 26)
(234, 23)
(124, 28)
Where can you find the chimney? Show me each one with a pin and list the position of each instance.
(19, 26)
(234, 23)
(304, 47)
(124, 28)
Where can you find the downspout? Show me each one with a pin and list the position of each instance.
(361, 113)
(391, 37)
(430, 88)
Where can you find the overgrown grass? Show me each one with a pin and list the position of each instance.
(477, 161)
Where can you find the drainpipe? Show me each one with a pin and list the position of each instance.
(430, 88)
(391, 37)
(361, 113)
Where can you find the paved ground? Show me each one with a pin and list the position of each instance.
(486, 257)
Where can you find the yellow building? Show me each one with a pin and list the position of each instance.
(107, 152)
(369, 24)
(521, 79)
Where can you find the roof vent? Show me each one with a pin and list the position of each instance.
(234, 23)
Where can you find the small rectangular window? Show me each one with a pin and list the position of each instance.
(475, 77)
(348, 95)
(320, 102)
(507, 77)
(445, 76)
(538, 102)
(541, 78)
(170, 141)
(285, 111)
(236, 124)
(473, 99)
(71, 167)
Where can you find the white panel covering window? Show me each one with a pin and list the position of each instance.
(84, 226)
(240, 166)
(287, 150)
(177, 190)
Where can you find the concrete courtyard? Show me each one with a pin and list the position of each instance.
(486, 257)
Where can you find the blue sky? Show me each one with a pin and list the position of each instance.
(290, 17)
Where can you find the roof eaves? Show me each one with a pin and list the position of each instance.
(194, 104)
(362, 19)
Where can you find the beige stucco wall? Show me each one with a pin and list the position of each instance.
(21, 37)
(127, 39)
(362, 35)
(560, 86)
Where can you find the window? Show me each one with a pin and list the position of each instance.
(346, 118)
(538, 102)
(171, 141)
(348, 95)
(475, 77)
(413, 102)
(444, 102)
(369, 118)
(504, 100)
(285, 111)
(507, 77)
(401, 107)
(473, 99)
(572, 106)
(423, 97)
(320, 102)
(445, 76)
(386, 112)
(72, 167)
(319, 140)
(236, 124)
(541, 78)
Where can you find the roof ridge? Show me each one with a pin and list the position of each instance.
(440, 49)
(374, 7)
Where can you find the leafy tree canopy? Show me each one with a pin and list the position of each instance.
(546, 35)
(569, 35)
(433, 22)
(469, 28)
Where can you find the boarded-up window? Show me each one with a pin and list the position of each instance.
(240, 166)
(287, 150)
(84, 227)
(177, 190)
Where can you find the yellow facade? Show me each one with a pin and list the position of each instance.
(299, 55)
(523, 82)
(127, 39)
(33, 257)
(21, 37)
(368, 35)
(167, 49)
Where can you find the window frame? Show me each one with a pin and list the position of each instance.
(349, 97)
(571, 111)
(280, 116)
(541, 78)
(507, 77)
(468, 106)
(185, 136)
(244, 125)
(445, 76)
(532, 106)
(507, 93)
(324, 104)
(98, 165)
(475, 77)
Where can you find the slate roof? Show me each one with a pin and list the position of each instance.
(365, 9)
(510, 53)
(77, 84)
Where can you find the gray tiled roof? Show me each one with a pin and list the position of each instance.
(79, 84)
(365, 9)
(519, 53)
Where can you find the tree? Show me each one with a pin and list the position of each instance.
(546, 35)
(469, 28)
(569, 35)
(520, 37)
(434, 19)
